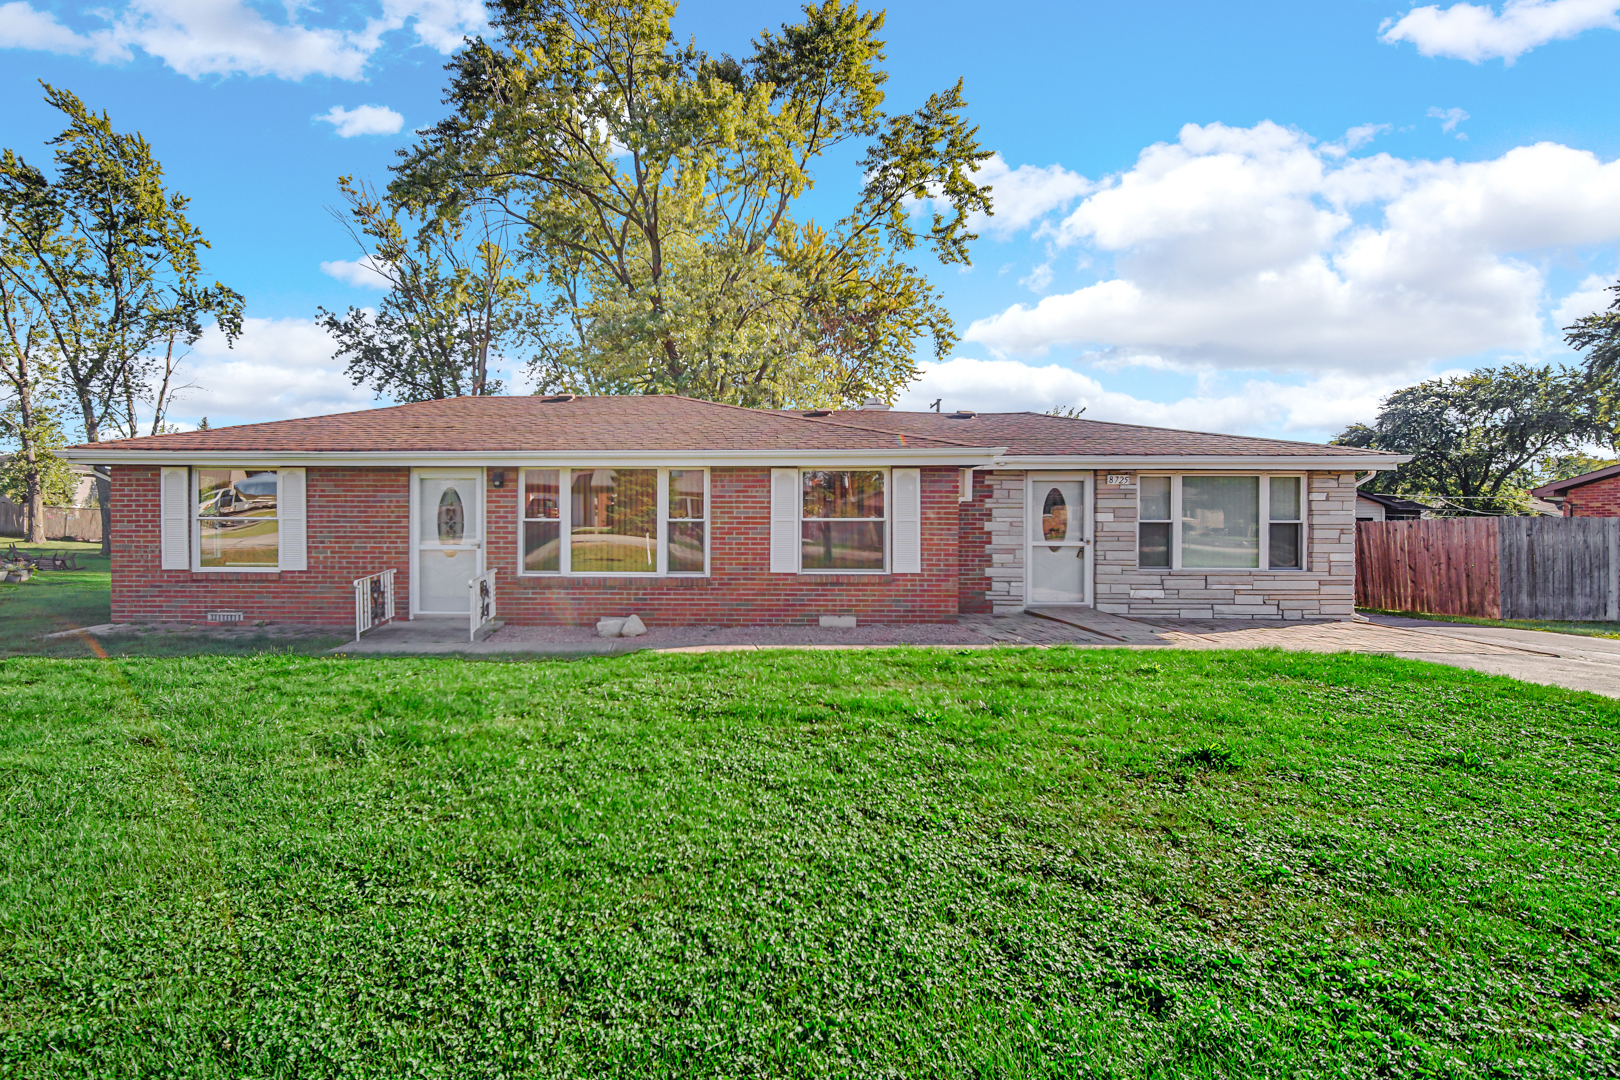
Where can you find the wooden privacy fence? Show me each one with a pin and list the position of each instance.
(1492, 568)
(60, 521)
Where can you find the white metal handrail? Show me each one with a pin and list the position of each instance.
(373, 601)
(481, 602)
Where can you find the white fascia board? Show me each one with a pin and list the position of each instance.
(1204, 462)
(957, 456)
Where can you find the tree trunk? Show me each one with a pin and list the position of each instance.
(35, 493)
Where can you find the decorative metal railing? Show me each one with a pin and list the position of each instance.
(373, 601)
(481, 605)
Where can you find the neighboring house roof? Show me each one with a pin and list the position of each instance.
(519, 428)
(1393, 502)
(1559, 487)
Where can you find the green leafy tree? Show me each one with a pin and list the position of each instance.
(656, 186)
(40, 480)
(1476, 439)
(109, 258)
(27, 422)
(455, 299)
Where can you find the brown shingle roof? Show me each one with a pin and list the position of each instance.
(1027, 433)
(524, 423)
(521, 424)
(1558, 487)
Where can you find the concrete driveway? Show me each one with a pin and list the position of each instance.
(1580, 663)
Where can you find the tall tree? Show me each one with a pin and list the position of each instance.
(27, 420)
(1476, 439)
(1598, 336)
(656, 186)
(113, 264)
(455, 299)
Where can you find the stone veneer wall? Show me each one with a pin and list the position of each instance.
(1325, 590)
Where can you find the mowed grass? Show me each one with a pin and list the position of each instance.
(853, 863)
(1553, 626)
(56, 600)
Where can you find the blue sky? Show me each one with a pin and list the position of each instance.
(1245, 217)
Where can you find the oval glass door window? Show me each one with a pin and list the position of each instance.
(1055, 516)
(452, 517)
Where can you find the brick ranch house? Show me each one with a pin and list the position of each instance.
(691, 512)
(1593, 494)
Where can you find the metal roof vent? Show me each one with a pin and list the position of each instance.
(818, 412)
(874, 404)
(961, 414)
(557, 399)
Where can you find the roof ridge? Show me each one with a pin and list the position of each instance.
(1184, 431)
(792, 414)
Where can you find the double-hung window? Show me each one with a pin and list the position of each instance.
(1214, 522)
(237, 527)
(843, 523)
(611, 521)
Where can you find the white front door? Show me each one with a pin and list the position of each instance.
(449, 539)
(1059, 539)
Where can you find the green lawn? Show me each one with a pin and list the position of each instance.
(53, 600)
(1552, 626)
(885, 863)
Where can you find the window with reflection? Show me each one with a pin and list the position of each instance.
(842, 522)
(1215, 522)
(613, 521)
(236, 518)
(688, 501)
(542, 521)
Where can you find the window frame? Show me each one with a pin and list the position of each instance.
(565, 515)
(887, 519)
(1265, 520)
(194, 499)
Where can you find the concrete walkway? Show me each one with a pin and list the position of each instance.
(1580, 663)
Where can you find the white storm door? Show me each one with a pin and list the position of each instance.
(1059, 552)
(448, 539)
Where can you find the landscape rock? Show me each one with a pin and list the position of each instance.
(633, 627)
(611, 627)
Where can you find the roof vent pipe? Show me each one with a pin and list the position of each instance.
(874, 404)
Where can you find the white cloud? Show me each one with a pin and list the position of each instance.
(1355, 139)
(1449, 118)
(279, 368)
(1315, 409)
(366, 272)
(1038, 278)
(1593, 295)
(229, 37)
(363, 120)
(1477, 33)
(1249, 248)
(1019, 197)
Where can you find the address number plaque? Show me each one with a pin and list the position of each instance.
(1119, 479)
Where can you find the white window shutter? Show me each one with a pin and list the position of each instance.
(907, 521)
(292, 520)
(174, 518)
(784, 521)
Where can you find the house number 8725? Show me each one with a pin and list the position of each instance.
(1118, 479)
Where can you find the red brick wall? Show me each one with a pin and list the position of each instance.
(1600, 498)
(358, 525)
(973, 549)
(740, 590)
